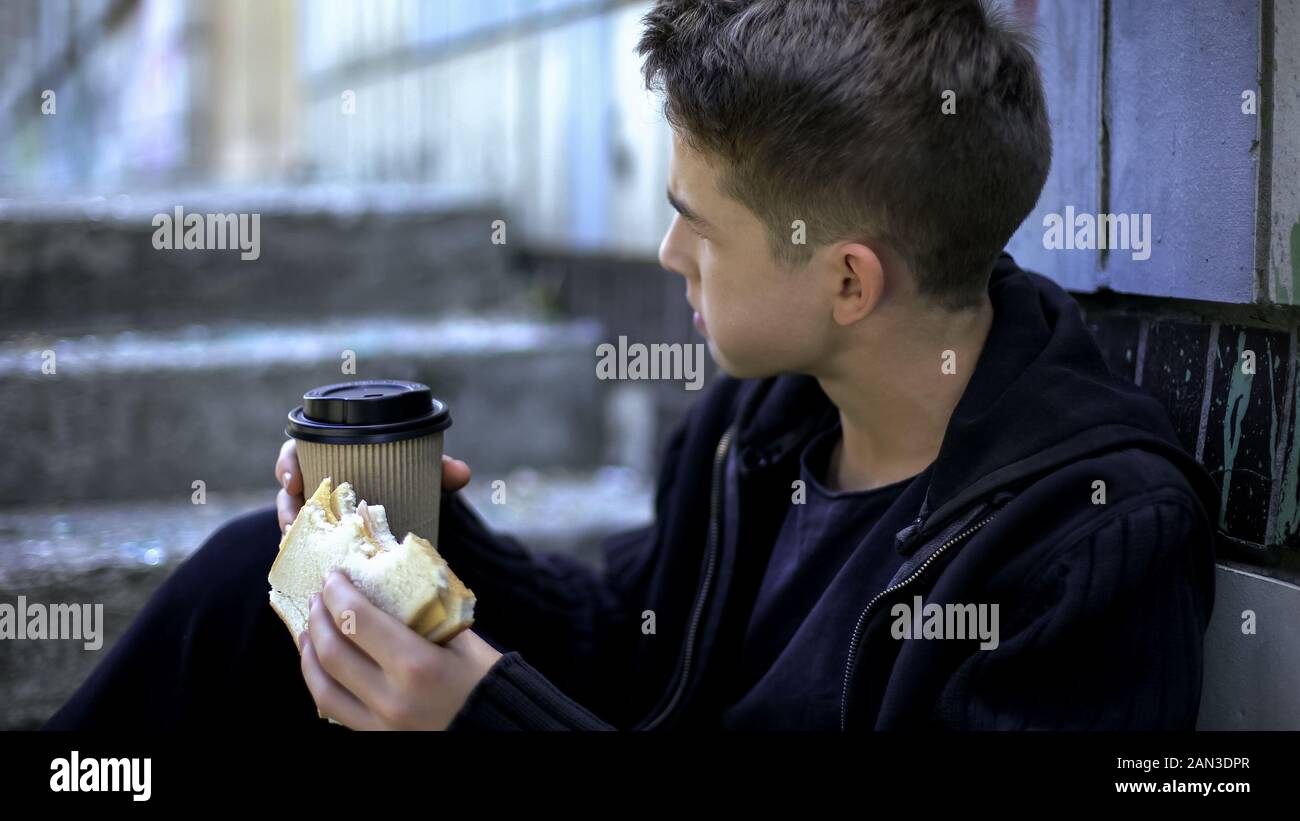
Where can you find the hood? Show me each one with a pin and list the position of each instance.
(1041, 396)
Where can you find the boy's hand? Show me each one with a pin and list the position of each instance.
(290, 498)
(369, 671)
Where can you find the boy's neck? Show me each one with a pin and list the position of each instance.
(894, 408)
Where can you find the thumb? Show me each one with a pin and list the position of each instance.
(455, 474)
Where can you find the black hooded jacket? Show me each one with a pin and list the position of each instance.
(1060, 494)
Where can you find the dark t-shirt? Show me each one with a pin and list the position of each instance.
(815, 540)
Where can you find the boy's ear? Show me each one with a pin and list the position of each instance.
(861, 283)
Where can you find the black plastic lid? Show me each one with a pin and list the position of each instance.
(367, 412)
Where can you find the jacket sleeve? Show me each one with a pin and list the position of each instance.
(577, 625)
(514, 696)
(1110, 636)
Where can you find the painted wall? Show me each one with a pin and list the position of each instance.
(1146, 102)
(1251, 659)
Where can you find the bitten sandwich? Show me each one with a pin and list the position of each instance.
(407, 580)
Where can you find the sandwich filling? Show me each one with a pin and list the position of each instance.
(409, 580)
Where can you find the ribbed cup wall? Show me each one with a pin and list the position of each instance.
(405, 477)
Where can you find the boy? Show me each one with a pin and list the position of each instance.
(916, 499)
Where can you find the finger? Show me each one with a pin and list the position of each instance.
(455, 474)
(282, 461)
(332, 700)
(382, 638)
(342, 659)
(287, 508)
(287, 472)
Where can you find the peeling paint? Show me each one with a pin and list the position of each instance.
(1288, 513)
(1273, 362)
(1238, 400)
(1247, 435)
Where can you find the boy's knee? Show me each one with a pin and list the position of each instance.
(242, 547)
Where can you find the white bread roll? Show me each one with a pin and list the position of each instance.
(407, 580)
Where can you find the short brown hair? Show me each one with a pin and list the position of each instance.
(830, 111)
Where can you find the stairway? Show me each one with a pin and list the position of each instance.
(174, 368)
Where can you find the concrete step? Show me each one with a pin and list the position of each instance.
(144, 415)
(89, 264)
(118, 553)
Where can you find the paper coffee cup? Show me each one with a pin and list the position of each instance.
(384, 437)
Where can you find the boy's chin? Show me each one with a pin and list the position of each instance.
(739, 370)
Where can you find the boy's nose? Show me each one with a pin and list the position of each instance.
(671, 255)
(665, 253)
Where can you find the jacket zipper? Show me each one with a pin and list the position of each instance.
(857, 630)
(719, 458)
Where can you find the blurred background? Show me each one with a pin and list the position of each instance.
(385, 143)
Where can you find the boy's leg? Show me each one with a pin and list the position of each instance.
(206, 651)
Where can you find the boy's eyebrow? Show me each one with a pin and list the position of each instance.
(683, 209)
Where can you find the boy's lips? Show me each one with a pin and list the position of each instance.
(698, 319)
(699, 324)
